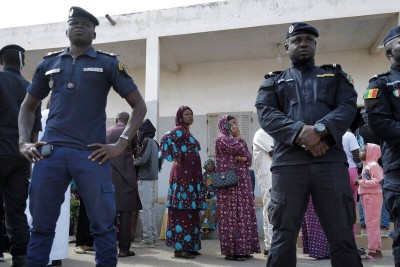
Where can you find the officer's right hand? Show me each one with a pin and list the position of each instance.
(307, 138)
(30, 151)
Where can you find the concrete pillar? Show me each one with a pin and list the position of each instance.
(152, 84)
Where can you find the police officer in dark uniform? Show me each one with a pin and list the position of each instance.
(307, 109)
(73, 145)
(382, 102)
(14, 168)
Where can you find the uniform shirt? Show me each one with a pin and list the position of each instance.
(383, 110)
(79, 95)
(350, 144)
(12, 93)
(303, 95)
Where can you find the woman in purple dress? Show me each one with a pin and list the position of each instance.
(237, 218)
(185, 197)
(313, 236)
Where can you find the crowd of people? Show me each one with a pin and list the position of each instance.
(305, 161)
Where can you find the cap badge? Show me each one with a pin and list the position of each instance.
(291, 28)
(71, 12)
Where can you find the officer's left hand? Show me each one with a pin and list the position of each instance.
(307, 138)
(319, 149)
(107, 151)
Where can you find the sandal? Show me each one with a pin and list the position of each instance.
(183, 254)
(234, 258)
(123, 254)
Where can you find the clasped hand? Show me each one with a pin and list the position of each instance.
(310, 141)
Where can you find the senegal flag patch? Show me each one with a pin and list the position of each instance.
(124, 69)
(371, 93)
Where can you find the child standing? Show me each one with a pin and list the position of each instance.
(208, 216)
(370, 191)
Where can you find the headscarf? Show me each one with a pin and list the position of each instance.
(147, 130)
(179, 115)
(221, 122)
(206, 163)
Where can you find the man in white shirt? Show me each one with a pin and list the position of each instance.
(263, 146)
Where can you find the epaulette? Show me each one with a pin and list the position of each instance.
(107, 54)
(376, 76)
(331, 66)
(52, 54)
(272, 73)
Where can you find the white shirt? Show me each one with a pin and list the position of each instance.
(262, 144)
(350, 144)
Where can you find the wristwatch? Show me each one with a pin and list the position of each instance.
(320, 129)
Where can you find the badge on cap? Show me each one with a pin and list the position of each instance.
(71, 12)
(124, 69)
(291, 28)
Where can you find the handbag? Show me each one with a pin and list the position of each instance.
(225, 179)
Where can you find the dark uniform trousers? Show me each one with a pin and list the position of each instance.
(391, 193)
(14, 182)
(50, 178)
(328, 183)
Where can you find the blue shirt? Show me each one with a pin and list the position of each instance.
(79, 95)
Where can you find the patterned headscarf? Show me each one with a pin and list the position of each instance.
(206, 163)
(179, 115)
(221, 123)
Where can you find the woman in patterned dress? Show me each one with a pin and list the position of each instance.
(185, 198)
(236, 212)
(209, 214)
(313, 236)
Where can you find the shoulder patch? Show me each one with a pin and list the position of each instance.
(272, 73)
(331, 66)
(107, 54)
(372, 93)
(124, 69)
(376, 76)
(55, 53)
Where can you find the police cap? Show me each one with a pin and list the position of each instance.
(79, 13)
(393, 33)
(301, 27)
(11, 47)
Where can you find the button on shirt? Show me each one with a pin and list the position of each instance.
(79, 95)
(305, 95)
(384, 116)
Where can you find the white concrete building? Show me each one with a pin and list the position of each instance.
(212, 57)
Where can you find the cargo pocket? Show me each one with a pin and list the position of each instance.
(350, 207)
(276, 207)
(107, 188)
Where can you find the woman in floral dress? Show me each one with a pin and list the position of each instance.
(236, 212)
(185, 198)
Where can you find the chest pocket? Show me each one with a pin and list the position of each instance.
(326, 89)
(287, 95)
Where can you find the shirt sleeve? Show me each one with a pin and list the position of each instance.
(169, 145)
(121, 78)
(339, 119)
(380, 117)
(39, 87)
(352, 141)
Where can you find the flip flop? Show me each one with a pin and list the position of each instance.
(123, 254)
